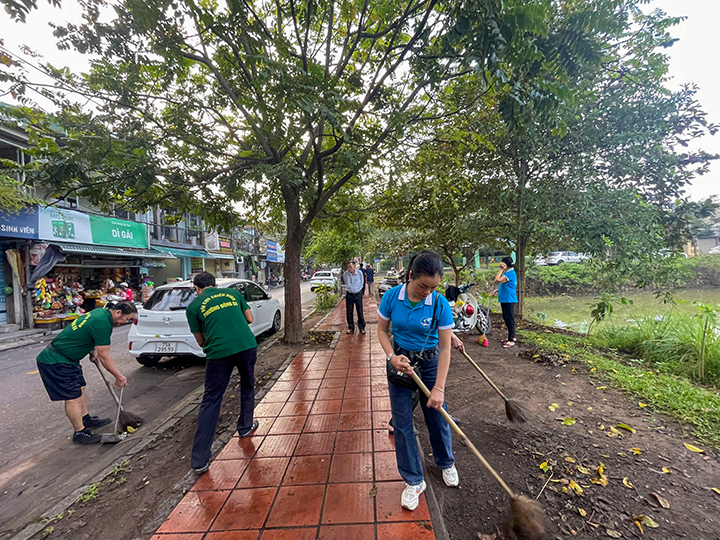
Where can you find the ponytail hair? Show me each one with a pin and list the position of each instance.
(425, 263)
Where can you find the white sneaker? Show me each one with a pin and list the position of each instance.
(411, 496)
(450, 476)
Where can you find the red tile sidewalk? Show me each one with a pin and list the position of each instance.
(320, 466)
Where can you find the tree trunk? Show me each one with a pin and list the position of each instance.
(520, 271)
(293, 248)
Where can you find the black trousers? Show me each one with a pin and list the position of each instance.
(508, 311)
(354, 300)
(217, 377)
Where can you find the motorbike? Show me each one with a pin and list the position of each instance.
(305, 276)
(467, 313)
(273, 281)
(388, 282)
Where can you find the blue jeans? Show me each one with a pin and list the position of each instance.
(406, 447)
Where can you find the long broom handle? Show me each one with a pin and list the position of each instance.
(107, 383)
(484, 375)
(468, 442)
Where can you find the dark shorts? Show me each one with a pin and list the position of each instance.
(62, 381)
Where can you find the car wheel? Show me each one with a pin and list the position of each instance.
(560, 262)
(149, 360)
(277, 322)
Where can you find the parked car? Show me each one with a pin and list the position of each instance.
(327, 278)
(161, 328)
(559, 257)
(714, 251)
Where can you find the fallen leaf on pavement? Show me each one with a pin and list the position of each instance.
(693, 448)
(570, 459)
(716, 490)
(639, 525)
(569, 421)
(627, 483)
(626, 427)
(647, 521)
(613, 534)
(582, 512)
(642, 405)
(584, 470)
(636, 451)
(666, 470)
(553, 407)
(661, 501)
(576, 487)
(602, 388)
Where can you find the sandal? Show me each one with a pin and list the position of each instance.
(508, 344)
(504, 340)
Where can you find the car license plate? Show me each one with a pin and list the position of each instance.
(165, 347)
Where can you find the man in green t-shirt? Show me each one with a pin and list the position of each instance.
(219, 319)
(61, 373)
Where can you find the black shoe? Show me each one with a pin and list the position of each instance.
(351, 331)
(94, 421)
(202, 469)
(86, 437)
(249, 432)
(362, 331)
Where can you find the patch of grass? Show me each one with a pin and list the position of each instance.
(91, 493)
(47, 532)
(326, 299)
(674, 395)
(677, 343)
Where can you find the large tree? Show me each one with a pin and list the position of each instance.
(209, 101)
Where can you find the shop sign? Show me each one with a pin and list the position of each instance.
(24, 224)
(272, 254)
(196, 265)
(71, 226)
(3, 305)
(118, 232)
(281, 256)
(225, 244)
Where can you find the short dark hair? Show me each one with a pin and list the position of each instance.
(126, 308)
(204, 280)
(508, 262)
(425, 263)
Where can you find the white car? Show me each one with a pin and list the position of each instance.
(161, 328)
(560, 257)
(326, 278)
(714, 251)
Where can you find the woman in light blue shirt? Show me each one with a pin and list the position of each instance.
(421, 329)
(506, 280)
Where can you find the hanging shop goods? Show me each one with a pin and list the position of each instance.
(58, 298)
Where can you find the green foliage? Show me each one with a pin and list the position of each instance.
(678, 343)
(696, 406)
(326, 298)
(705, 270)
(13, 197)
(91, 493)
(560, 279)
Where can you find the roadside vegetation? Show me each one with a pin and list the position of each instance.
(326, 299)
(665, 392)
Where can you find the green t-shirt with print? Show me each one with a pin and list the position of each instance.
(220, 315)
(77, 340)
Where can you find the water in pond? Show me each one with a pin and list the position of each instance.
(574, 311)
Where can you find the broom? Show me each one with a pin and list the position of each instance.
(526, 519)
(127, 419)
(513, 410)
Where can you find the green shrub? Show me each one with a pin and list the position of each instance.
(325, 298)
(706, 270)
(678, 343)
(560, 279)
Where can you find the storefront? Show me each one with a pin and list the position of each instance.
(77, 259)
(188, 263)
(222, 263)
(275, 263)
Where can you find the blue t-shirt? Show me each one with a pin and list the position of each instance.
(507, 292)
(410, 325)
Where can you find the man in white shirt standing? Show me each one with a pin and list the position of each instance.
(355, 282)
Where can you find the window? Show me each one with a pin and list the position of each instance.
(254, 293)
(170, 299)
(241, 287)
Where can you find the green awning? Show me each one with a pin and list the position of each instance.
(151, 253)
(186, 252)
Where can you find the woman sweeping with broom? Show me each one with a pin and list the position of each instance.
(421, 329)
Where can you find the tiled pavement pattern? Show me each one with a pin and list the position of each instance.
(320, 466)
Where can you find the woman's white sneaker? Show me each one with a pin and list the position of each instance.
(450, 476)
(411, 495)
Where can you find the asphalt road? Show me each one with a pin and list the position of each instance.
(39, 464)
